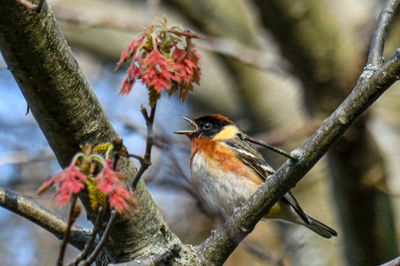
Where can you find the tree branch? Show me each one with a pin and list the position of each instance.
(102, 241)
(145, 162)
(394, 262)
(89, 245)
(220, 245)
(375, 56)
(71, 219)
(43, 217)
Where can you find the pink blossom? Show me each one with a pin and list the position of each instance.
(68, 182)
(120, 198)
(158, 71)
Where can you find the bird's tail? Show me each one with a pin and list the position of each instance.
(319, 228)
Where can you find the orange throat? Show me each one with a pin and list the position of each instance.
(223, 158)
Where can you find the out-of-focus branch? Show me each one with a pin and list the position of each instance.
(43, 217)
(71, 219)
(221, 244)
(375, 56)
(224, 46)
(262, 254)
(20, 157)
(242, 53)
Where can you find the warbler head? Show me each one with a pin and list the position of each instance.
(215, 127)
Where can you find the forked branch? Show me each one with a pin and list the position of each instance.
(145, 161)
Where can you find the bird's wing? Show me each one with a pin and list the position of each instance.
(252, 158)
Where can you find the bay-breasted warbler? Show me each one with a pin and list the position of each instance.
(227, 170)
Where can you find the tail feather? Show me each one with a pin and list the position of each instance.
(319, 228)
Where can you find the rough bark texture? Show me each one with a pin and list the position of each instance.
(69, 114)
(326, 60)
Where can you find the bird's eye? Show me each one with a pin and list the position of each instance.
(206, 126)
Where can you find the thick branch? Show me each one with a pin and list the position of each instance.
(394, 262)
(220, 245)
(43, 217)
(375, 57)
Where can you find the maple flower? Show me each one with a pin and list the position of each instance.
(130, 79)
(68, 182)
(129, 52)
(127, 85)
(187, 62)
(158, 71)
(160, 64)
(108, 182)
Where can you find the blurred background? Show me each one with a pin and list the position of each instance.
(277, 68)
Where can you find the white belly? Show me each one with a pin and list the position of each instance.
(222, 191)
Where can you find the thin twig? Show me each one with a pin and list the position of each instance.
(187, 34)
(375, 56)
(137, 157)
(273, 148)
(146, 162)
(160, 140)
(102, 241)
(71, 220)
(89, 245)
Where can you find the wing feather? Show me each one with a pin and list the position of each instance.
(252, 158)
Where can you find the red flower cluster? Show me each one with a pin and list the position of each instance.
(162, 58)
(72, 181)
(158, 71)
(68, 182)
(119, 196)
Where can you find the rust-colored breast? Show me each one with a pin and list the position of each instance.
(221, 157)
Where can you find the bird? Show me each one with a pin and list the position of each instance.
(226, 169)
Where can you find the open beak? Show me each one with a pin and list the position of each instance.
(188, 132)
